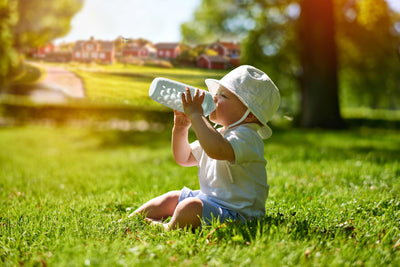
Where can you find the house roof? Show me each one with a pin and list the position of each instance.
(104, 45)
(166, 45)
(214, 59)
(227, 45)
(137, 47)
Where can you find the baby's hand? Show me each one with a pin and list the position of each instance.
(191, 105)
(181, 120)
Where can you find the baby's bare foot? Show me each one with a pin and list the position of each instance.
(156, 223)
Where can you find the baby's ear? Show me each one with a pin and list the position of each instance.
(251, 118)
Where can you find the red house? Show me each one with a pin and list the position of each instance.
(229, 50)
(212, 62)
(136, 50)
(226, 49)
(168, 50)
(94, 50)
(43, 50)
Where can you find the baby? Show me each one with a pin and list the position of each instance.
(232, 174)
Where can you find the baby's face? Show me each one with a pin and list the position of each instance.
(229, 109)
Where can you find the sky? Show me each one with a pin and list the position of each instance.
(395, 4)
(154, 20)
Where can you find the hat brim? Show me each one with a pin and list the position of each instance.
(212, 85)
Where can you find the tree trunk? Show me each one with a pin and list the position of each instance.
(320, 101)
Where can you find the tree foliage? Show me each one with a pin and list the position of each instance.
(43, 21)
(318, 57)
(8, 56)
(367, 36)
(30, 23)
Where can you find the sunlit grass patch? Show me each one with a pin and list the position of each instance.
(64, 193)
(130, 84)
(368, 113)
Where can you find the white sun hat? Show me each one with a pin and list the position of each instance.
(255, 89)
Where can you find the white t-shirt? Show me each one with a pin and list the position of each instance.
(240, 186)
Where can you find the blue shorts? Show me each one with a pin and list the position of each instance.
(211, 210)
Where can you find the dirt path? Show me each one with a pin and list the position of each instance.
(58, 85)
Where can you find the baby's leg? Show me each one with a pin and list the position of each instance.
(187, 213)
(160, 207)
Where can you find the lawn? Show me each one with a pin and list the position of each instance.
(66, 191)
(334, 200)
(129, 84)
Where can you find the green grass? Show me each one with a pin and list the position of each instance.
(371, 114)
(334, 196)
(334, 201)
(129, 84)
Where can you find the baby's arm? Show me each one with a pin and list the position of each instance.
(180, 144)
(213, 143)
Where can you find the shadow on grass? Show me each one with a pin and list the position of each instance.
(270, 225)
(25, 111)
(373, 123)
(27, 89)
(115, 138)
(368, 143)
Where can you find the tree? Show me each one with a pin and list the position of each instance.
(30, 23)
(368, 33)
(188, 55)
(8, 56)
(43, 21)
(273, 36)
(320, 101)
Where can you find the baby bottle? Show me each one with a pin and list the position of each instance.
(169, 93)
